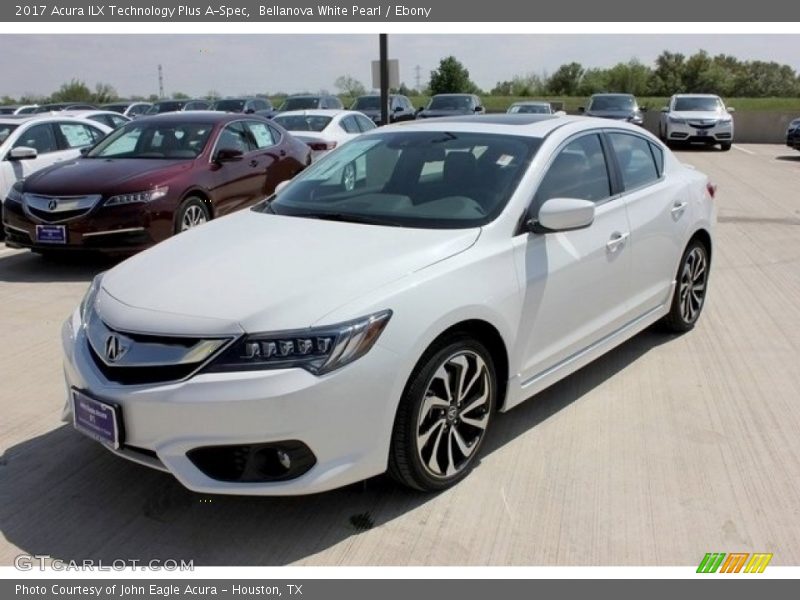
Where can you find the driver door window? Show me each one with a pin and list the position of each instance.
(578, 171)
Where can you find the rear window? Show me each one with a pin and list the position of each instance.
(303, 122)
(300, 103)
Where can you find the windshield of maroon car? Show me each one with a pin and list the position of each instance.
(300, 103)
(430, 179)
(302, 122)
(143, 139)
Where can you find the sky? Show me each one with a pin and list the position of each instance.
(235, 64)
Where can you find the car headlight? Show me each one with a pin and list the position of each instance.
(137, 197)
(676, 120)
(318, 350)
(87, 304)
(727, 119)
(636, 118)
(15, 193)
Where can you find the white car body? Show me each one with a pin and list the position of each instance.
(532, 106)
(555, 302)
(714, 125)
(332, 135)
(12, 170)
(108, 118)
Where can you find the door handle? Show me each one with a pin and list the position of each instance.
(283, 152)
(678, 207)
(254, 163)
(617, 240)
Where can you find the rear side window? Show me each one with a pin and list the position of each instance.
(350, 125)
(635, 157)
(262, 135)
(579, 171)
(364, 123)
(40, 137)
(658, 156)
(77, 135)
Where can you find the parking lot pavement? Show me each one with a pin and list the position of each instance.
(663, 450)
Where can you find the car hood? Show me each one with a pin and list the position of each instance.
(611, 114)
(261, 272)
(103, 175)
(445, 113)
(698, 115)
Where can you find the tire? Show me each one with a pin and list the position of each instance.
(437, 435)
(191, 213)
(725, 146)
(690, 290)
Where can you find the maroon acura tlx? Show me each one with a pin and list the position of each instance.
(150, 179)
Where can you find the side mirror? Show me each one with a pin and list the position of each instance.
(665, 109)
(398, 108)
(564, 214)
(730, 109)
(228, 155)
(85, 150)
(249, 111)
(281, 186)
(478, 108)
(22, 153)
(581, 109)
(643, 109)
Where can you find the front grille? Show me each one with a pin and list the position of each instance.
(51, 217)
(702, 125)
(142, 375)
(57, 209)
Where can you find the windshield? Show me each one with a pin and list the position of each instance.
(5, 131)
(451, 103)
(431, 179)
(612, 103)
(539, 109)
(300, 103)
(368, 103)
(697, 103)
(229, 105)
(154, 140)
(162, 107)
(302, 122)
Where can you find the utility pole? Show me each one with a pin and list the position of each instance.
(160, 82)
(418, 70)
(384, 60)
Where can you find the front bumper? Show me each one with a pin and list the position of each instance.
(114, 229)
(721, 132)
(345, 418)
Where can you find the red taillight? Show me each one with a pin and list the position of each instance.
(320, 146)
(711, 189)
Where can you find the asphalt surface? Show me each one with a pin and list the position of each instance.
(663, 450)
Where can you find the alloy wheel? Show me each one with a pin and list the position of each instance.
(454, 414)
(192, 217)
(692, 290)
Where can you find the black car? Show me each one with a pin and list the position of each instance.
(450, 105)
(310, 102)
(164, 106)
(259, 106)
(400, 108)
(620, 107)
(793, 134)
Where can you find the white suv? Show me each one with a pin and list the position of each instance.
(696, 118)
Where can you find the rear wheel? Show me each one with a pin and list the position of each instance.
(690, 291)
(444, 415)
(192, 213)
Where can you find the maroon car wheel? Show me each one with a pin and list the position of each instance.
(192, 212)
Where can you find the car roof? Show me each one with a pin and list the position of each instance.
(695, 96)
(42, 117)
(194, 116)
(531, 102)
(611, 94)
(464, 94)
(318, 112)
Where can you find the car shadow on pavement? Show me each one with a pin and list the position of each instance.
(789, 158)
(27, 267)
(66, 497)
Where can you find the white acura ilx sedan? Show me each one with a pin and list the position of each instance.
(344, 328)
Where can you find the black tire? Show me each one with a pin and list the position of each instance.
(192, 209)
(455, 422)
(691, 287)
(725, 146)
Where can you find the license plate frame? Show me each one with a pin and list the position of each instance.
(51, 234)
(97, 419)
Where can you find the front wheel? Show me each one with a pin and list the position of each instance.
(191, 213)
(725, 146)
(444, 415)
(690, 291)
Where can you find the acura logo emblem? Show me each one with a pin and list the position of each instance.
(52, 205)
(114, 348)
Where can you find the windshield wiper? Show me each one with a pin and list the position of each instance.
(349, 218)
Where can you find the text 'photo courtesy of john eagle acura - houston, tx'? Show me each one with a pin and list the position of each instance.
(375, 312)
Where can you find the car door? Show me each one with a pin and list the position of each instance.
(658, 212)
(273, 163)
(236, 181)
(576, 282)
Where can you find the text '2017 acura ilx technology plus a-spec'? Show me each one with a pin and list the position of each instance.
(152, 178)
(341, 329)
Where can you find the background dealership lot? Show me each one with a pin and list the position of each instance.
(663, 450)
